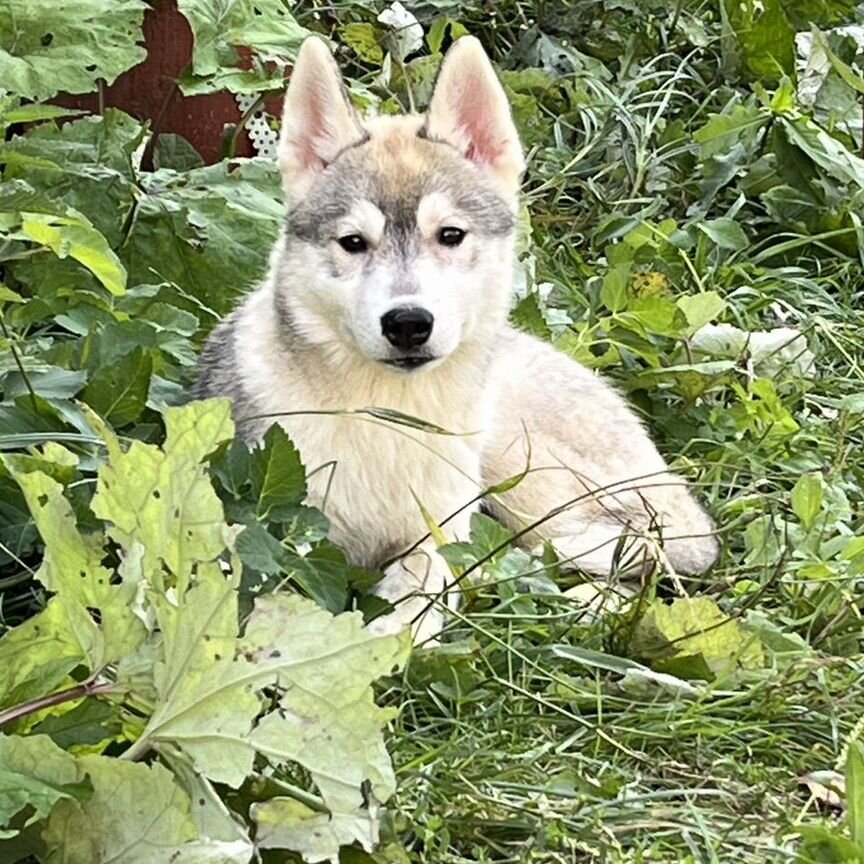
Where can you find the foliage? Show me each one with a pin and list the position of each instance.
(696, 196)
(153, 642)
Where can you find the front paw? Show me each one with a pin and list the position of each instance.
(414, 585)
(426, 622)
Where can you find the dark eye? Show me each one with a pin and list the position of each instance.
(353, 243)
(448, 236)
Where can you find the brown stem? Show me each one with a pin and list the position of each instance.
(79, 691)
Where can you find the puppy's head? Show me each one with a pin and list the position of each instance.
(400, 229)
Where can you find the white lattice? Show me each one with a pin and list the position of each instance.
(259, 126)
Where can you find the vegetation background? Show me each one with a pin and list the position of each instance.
(693, 229)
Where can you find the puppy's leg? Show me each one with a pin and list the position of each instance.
(594, 470)
(413, 585)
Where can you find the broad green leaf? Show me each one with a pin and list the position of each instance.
(73, 236)
(118, 392)
(774, 637)
(722, 131)
(765, 34)
(528, 316)
(693, 638)
(327, 721)
(92, 723)
(98, 611)
(260, 550)
(221, 26)
(725, 232)
(651, 315)
(162, 497)
(175, 153)
(210, 813)
(88, 166)
(783, 100)
(324, 575)
(821, 845)
(855, 792)
(208, 687)
(206, 704)
(614, 291)
(7, 295)
(700, 309)
(807, 496)
(438, 30)
(790, 206)
(51, 383)
(285, 823)
(37, 656)
(209, 230)
(34, 775)
(278, 476)
(364, 39)
(137, 814)
(47, 47)
(849, 75)
(826, 151)
(35, 113)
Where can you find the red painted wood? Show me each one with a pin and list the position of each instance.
(149, 90)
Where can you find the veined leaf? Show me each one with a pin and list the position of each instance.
(162, 498)
(277, 474)
(46, 47)
(219, 28)
(692, 638)
(137, 814)
(119, 391)
(98, 612)
(699, 309)
(34, 774)
(206, 700)
(725, 232)
(826, 151)
(326, 721)
(73, 236)
(37, 656)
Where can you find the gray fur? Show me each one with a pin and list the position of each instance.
(218, 377)
(346, 180)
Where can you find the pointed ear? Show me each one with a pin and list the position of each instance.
(317, 120)
(469, 109)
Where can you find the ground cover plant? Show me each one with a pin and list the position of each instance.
(179, 679)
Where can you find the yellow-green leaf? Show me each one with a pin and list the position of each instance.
(73, 236)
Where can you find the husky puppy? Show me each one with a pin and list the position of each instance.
(389, 288)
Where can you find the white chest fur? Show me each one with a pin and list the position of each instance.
(369, 475)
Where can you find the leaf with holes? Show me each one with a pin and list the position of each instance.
(162, 498)
(97, 610)
(221, 28)
(47, 47)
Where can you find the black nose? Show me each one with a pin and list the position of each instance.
(407, 326)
